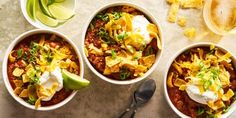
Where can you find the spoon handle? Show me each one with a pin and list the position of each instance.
(127, 110)
(133, 114)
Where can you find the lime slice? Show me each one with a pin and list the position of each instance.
(44, 8)
(59, 0)
(73, 81)
(46, 19)
(50, 2)
(30, 8)
(60, 12)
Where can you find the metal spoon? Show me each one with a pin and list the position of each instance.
(141, 96)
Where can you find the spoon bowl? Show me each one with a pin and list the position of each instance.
(145, 92)
(141, 96)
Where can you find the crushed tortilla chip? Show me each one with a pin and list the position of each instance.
(190, 33)
(148, 60)
(172, 1)
(18, 83)
(25, 78)
(11, 58)
(18, 72)
(228, 95)
(18, 90)
(179, 82)
(24, 93)
(216, 105)
(177, 67)
(174, 8)
(191, 3)
(182, 21)
(170, 79)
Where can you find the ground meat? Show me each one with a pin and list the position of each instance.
(98, 62)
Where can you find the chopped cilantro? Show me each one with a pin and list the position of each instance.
(19, 53)
(103, 17)
(211, 116)
(124, 73)
(49, 58)
(34, 79)
(226, 109)
(116, 15)
(105, 36)
(207, 84)
(113, 54)
(31, 100)
(149, 51)
(25, 58)
(33, 51)
(200, 111)
(122, 36)
(234, 97)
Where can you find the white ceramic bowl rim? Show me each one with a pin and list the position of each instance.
(39, 24)
(159, 53)
(5, 61)
(233, 105)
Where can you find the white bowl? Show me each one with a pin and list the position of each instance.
(5, 76)
(233, 105)
(159, 53)
(208, 20)
(71, 4)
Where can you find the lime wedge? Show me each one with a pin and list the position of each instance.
(46, 19)
(73, 81)
(59, 0)
(30, 8)
(60, 12)
(44, 8)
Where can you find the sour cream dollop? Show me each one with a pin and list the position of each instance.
(49, 78)
(140, 23)
(203, 98)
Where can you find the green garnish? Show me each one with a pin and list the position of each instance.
(31, 72)
(124, 73)
(103, 17)
(214, 73)
(149, 51)
(226, 109)
(207, 84)
(207, 75)
(113, 54)
(33, 51)
(200, 111)
(116, 15)
(234, 97)
(122, 36)
(211, 116)
(211, 51)
(19, 53)
(34, 79)
(201, 65)
(49, 58)
(105, 36)
(31, 100)
(25, 58)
